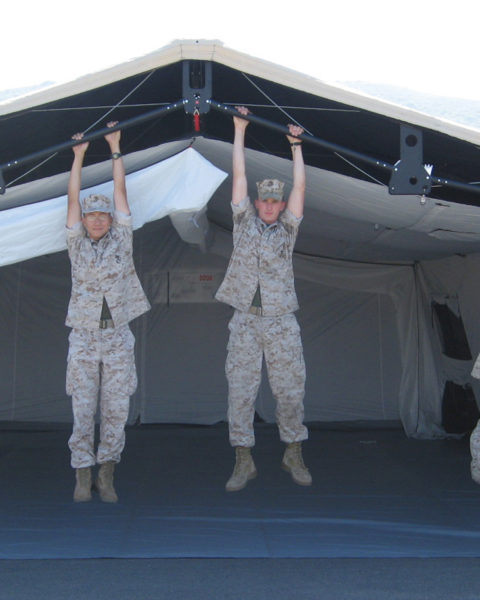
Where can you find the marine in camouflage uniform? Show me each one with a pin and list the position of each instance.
(106, 296)
(259, 285)
(475, 435)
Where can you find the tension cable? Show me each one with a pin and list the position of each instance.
(275, 104)
(34, 168)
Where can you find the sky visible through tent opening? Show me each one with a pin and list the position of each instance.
(422, 45)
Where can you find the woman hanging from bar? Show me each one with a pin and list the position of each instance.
(106, 296)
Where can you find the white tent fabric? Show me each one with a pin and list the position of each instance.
(370, 348)
(181, 342)
(452, 281)
(180, 185)
(398, 283)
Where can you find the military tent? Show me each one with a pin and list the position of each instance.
(386, 261)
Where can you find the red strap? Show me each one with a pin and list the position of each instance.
(196, 120)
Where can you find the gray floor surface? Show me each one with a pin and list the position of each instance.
(386, 517)
(241, 579)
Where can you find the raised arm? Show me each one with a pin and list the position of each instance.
(296, 200)
(74, 212)
(239, 186)
(118, 171)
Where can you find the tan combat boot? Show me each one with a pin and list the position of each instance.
(293, 463)
(104, 482)
(83, 485)
(243, 471)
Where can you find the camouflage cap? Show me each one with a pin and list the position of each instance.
(96, 203)
(270, 188)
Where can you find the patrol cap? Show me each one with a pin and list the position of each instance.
(270, 188)
(96, 203)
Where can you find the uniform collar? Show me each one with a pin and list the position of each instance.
(95, 243)
(262, 226)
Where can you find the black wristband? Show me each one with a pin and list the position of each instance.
(116, 155)
(295, 143)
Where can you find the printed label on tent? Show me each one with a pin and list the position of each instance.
(194, 286)
(174, 287)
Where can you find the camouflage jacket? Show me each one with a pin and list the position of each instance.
(104, 268)
(262, 255)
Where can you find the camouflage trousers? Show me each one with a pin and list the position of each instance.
(475, 448)
(278, 339)
(100, 362)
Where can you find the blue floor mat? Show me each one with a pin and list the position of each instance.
(375, 494)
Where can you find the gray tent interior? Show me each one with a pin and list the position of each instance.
(387, 283)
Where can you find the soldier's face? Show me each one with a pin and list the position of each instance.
(97, 224)
(269, 209)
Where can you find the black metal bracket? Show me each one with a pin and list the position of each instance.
(197, 86)
(409, 175)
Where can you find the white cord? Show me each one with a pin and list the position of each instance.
(275, 104)
(86, 130)
(359, 169)
(32, 169)
(119, 102)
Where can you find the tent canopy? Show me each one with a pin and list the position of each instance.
(344, 193)
(369, 263)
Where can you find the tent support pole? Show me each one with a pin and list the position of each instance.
(375, 162)
(158, 112)
(466, 187)
(307, 138)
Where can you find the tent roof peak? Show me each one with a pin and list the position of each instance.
(216, 51)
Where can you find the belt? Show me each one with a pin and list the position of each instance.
(106, 323)
(256, 310)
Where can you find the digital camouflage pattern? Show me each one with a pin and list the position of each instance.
(262, 255)
(476, 368)
(270, 188)
(475, 453)
(96, 202)
(278, 338)
(475, 436)
(104, 269)
(100, 360)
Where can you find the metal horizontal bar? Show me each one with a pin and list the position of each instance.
(91, 136)
(466, 187)
(305, 137)
(232, 112)
(336, 148)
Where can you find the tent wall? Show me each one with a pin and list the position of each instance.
(359, 327)
(454, 283)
